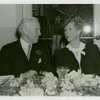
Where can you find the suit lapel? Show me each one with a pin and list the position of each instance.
(21, 53)
(34, 58)
(72, 63)
(83, 61)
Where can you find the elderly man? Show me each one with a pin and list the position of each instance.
(26, 53)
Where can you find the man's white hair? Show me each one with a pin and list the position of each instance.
(24, 21)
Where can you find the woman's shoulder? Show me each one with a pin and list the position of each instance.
(89, 46)
(61, 51)
(92, 48)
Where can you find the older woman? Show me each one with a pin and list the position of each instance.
(77, 55)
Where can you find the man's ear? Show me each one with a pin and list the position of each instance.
(24, 30)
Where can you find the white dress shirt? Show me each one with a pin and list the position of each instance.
(77, 51)
(25, 46)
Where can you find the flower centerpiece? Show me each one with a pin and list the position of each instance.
(66, 84)
(30, 84)
(77, 83)
(49, 83)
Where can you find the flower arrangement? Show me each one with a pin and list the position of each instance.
(49, 83)
(75, 83)
(30, 84)
(67, 84)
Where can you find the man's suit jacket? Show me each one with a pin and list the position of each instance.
(90, 62)
(14, 61)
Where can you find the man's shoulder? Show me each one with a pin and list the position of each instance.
(10, 45)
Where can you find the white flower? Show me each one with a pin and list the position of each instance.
(73, 75)
(49, 79)
(38, 92)
(48, 75)
(31, 91)
(66, 85)
(14, 83)
(23, 91)
(20, 79)
(50, 92)
(30, 83)
(49, 82)
(68, 93)
(27, 74)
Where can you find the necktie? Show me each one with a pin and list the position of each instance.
(29, 52)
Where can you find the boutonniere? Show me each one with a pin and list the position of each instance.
(38, 52)
(82, 52)
(39, 61)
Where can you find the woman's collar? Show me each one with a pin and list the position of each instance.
(80, 49)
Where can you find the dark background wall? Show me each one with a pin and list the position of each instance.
(52, 16)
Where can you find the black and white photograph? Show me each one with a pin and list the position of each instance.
(50, 50)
